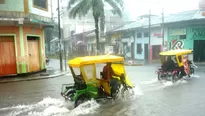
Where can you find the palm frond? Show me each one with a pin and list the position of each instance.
(115, 6)
(80, 9)
(120, 2)
(72, 2)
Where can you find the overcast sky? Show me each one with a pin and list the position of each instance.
(134, 8)
(140, 7)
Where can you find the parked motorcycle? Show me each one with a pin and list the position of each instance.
(47, 61)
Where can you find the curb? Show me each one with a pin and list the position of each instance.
(134, 65)
(33, 78)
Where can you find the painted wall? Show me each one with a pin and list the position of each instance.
(13, 5)
(127, 47)
(143, 40)
(37, 11)
(176, 41)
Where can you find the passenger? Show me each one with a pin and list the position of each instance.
(170, 64)
(186, 65)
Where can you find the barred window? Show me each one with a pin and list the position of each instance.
(42, 4)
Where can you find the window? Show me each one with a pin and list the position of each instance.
(41, 4)
(146, 34)
(88, 69)
(2, 1)
(139, 48)
(139, 35)
(76, 71)
(182, 37)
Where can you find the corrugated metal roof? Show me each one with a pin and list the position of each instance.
(182, 16)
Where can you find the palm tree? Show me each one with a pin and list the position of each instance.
(81, 8)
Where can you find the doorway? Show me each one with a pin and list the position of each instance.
(146, 51)
(7, 56)
(199, 51)
(34, 53)
(155, 51)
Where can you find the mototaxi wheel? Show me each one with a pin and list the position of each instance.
(70, 94)
(174, 77)
(127, 92)
(80, 100)
(192, 71)
(115, 85)
(159, 77)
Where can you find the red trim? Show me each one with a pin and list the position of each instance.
(150, 54)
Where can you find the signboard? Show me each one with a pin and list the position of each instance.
(178, 32)
(157, 35)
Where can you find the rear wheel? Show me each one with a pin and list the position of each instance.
(159, 77)
(174, 77)
(127, 93)
(80, 100)
(192, 71)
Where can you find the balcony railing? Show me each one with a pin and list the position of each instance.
(13, 16)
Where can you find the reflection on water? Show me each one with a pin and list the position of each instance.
(49, 107)
(128, 105)
(57, 107)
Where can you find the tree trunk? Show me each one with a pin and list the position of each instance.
(102, 22)
(96, 18)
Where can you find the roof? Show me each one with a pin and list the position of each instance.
(176, 52)
(79, 61)
(181, 16)
(91, 34)
(85, 32)
(55, 39)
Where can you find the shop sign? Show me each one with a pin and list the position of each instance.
(198, 33)
(178, 32)
(176, 44)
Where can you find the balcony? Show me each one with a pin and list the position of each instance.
(16, 18)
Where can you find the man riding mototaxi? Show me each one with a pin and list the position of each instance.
(111, 83)
(169, 64)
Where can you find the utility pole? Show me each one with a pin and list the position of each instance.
(59, 35)
(149, 35)
(162, 29)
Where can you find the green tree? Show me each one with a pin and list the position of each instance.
(81, 7)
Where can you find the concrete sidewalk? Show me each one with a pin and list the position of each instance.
(50, 73)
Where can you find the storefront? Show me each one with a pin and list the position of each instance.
(155, 44)
(189, 38)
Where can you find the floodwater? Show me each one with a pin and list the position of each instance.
(151, 98)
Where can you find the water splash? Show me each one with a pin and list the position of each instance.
(195, 76)
(85, 108)
(150, 82)
(50, 107)
(131, 94)
(169, 83)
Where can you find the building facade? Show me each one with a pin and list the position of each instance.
(22, 26)
(189, 37)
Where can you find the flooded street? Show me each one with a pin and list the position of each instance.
(152, 98)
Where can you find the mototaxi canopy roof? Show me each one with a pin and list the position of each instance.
(175, 52)
(80, 61)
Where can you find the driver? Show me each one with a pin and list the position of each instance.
(170, 63)
(107, 75)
